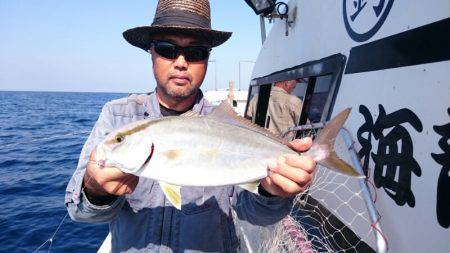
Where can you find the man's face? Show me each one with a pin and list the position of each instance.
(177, 78)
(290, 86)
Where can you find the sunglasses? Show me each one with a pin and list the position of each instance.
(171, 51)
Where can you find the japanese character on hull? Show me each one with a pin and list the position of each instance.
(443, 186)
(394, 160)
(359, 5)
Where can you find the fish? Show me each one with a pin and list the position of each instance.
(218, 149)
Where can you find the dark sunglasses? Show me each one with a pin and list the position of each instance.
(171, 51)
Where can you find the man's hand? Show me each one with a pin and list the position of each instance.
(103, 181)
(291, 174)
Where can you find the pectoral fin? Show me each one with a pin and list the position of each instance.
(251, 187)
(172, 193)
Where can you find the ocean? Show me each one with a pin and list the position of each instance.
(41, 136)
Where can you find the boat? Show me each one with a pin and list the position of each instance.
(388, 60)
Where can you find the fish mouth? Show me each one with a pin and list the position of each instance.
(152, 149)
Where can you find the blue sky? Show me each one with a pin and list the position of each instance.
(50, 45)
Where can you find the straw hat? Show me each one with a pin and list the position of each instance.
(191, 17)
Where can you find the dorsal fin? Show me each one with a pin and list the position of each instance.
(225, 113)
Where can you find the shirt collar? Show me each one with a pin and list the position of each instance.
(278, 89)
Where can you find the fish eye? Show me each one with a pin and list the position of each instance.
(120, 138)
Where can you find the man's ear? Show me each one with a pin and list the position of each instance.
(150, 51)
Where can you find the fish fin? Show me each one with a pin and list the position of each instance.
(173, 194)
(190, 114)
(333, 162)
(251, 187)
(325, 141)
(225, 113)
(328, 134)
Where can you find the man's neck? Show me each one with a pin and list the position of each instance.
(176, 105)
(281, 89)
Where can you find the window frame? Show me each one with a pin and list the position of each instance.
(332, 65)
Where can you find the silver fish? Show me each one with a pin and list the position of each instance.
(214, 150)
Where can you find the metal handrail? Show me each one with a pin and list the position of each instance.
(381, 241)
(311, 126)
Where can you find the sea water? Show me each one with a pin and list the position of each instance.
(41, 136)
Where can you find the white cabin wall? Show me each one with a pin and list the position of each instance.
(319, 31)
(279, 51)
(424, 89)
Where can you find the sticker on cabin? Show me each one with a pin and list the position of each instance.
(363, 18)
(394, 163)
(443, 187)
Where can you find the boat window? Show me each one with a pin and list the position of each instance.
(252, 102)
(257, 104)
(285, 106)
(320, 92)
(298, 96)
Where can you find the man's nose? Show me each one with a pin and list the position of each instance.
(180, 62)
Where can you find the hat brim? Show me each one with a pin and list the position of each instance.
(143, 35)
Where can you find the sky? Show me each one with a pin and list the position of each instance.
(50, 45)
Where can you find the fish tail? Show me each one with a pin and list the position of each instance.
(332, 161)
(323, 146)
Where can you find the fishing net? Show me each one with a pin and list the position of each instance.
(330, 217)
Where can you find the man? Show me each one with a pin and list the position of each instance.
(140, 217)
(284, 108)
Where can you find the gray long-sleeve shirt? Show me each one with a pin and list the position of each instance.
(145, 220)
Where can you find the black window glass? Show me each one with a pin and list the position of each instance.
(319, 98)
(252, 103)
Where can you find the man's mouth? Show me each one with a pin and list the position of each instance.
(180, 79)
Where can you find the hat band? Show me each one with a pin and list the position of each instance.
(181, 18)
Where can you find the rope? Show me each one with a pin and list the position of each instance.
(51, 239)
(374, 226)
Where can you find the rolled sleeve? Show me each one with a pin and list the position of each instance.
(78, 206)
(260, 210)
(81, 209)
